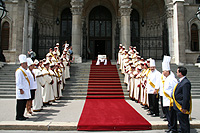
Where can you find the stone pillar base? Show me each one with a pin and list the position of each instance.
(77, 59)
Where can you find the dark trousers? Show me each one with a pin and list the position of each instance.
(20, 108)
(163, 110)
(171, 118)
(184, 122)
(153, 103)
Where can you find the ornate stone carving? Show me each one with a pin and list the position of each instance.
(31, 7)
(125, 7)
(77, 7)
(169, 10)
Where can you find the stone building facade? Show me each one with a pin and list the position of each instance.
(155, 27)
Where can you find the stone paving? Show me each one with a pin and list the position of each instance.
(64, 115)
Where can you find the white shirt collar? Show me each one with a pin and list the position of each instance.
(181, 78)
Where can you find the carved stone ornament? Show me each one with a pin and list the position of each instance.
(169, 11)
(77, 7)
(31, 7)
(125, 7)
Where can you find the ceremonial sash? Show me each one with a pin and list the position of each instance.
(170, 99)
(152, 85)
(179, 106)
(25, 75)
(148, 72)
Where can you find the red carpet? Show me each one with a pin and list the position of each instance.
(105, 108)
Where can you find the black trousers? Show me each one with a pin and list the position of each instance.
(171, 118)
(153, 103)
(184, 122)
(163, 110)
(20, 108)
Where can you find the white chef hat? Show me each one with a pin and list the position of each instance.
(166, 58)
(22, 58)
(152, 63)
(165, 66)
(36, 62)
(29, 61)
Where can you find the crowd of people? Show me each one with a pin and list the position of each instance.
(146, 85)
(39, 83)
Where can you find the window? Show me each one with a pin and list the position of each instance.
(194, 38)
(5, 36)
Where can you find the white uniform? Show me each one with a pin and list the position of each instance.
(170, 83)
(154, 77)
(54, 85)
(47, 91)
(33, 81)
(37, 102)
(22, 83)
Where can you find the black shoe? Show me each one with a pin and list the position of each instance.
(26, 117)
(162, 116)
(21, 119)
(150, 113)
(155, 115)
(165, 119)
(172, 132)
(167, 131)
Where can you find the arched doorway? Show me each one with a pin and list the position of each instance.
(5, 36)
(66, 26)
(100, 32)
(135, 29)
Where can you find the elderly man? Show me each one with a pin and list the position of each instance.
(22, 88)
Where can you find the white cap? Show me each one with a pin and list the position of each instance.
(52, 64)
(123, 47)
(165, 66)
(22, 58)
(48, 55)
(29, 61)
(57, 44)
(46, 62)
(54, 53)
(36, 62)
(152, 63)
(120, 45)
(166, 58)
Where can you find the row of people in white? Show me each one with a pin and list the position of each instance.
(145, 84)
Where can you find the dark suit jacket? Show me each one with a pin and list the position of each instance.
(182, 94)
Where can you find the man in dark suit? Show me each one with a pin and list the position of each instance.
(182, 101)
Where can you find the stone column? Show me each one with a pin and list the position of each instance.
(77, 7)
(169, 13)
(25, 29)
(19, 28)
(125, 10)
(31, 9)
(179, 32)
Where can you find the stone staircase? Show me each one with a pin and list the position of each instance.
(76, 87)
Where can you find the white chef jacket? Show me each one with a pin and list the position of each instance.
(22, 83)
(170, 83)
(154, 77)
(33, 81)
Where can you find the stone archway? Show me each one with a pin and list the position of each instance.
(100, 32)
